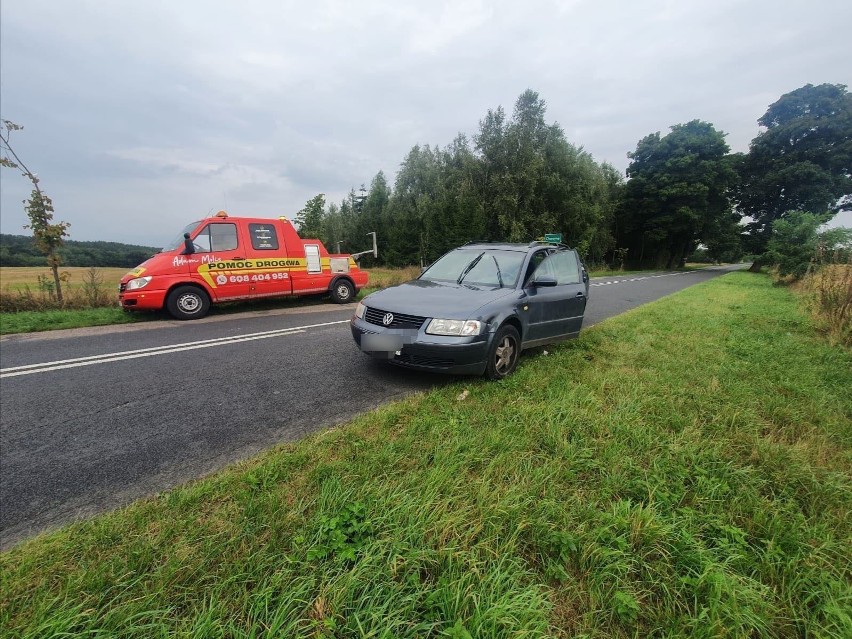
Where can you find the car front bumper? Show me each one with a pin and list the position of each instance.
(420, 351)
(142, 299)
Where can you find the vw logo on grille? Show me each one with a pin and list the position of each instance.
(387, 320)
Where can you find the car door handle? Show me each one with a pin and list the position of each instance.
(581, 295)
(238, 258)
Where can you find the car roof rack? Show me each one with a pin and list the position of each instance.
(541, 243)
(530, 245)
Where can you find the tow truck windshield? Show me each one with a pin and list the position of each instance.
(178, 241)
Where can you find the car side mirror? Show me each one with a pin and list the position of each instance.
(543, 281)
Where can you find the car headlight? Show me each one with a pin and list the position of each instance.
(462, 328)
(137, 283)
(360, 310)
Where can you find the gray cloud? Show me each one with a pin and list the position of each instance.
(142, 116)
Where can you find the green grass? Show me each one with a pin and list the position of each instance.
(681, 470)
(34, 321)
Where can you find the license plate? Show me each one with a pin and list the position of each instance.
(381, 343)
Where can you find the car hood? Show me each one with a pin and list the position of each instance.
(435, 299)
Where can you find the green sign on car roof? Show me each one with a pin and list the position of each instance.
(553, 237)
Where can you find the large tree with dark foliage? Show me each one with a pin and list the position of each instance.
(676, 194)
(801, 161)
(533, 181)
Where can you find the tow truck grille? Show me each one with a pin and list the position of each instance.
(400, 320)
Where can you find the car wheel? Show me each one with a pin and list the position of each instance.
(504, 353)
(188, 302)
(342, 291)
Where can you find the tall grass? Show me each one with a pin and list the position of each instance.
(828, 293)
(84, 289)
(387, 277)
(681, 470)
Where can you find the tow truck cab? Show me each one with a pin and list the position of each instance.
(224, 258)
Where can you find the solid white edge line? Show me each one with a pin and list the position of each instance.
(46, 368)
(169, 348)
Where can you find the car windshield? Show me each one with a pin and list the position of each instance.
(476, 267)
(178, 241)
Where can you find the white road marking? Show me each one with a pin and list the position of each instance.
(647, 277)
(30, 369)
(44, 367)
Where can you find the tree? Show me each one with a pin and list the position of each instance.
(676, 194)
(495, 188)
(47, 235)
(309, 219)
(519, 179)
(796, 239)
(369, 214)
(532, 181)
(724, 242)
(801, 162)
(416, 197)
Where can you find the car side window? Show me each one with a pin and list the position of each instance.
(216, 237)
(535, 261)
(561, 265)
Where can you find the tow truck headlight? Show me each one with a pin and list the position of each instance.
(137, 283)
(461, 328)
(360, 310)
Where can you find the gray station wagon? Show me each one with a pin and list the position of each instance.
(476, 308)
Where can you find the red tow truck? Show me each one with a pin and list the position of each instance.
(224, 258)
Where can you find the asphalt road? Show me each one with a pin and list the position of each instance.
(91, 419)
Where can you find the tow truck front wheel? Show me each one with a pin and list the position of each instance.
(342, 291)
(188, 302)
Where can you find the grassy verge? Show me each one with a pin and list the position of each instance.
(681, 470)
(34, 321)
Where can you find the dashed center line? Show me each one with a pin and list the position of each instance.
(638, 279)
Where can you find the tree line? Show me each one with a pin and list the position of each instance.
(518, 178)
(19, 250)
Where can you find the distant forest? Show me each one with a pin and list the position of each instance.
(19, 250)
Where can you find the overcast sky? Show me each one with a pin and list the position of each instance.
(142, 116)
